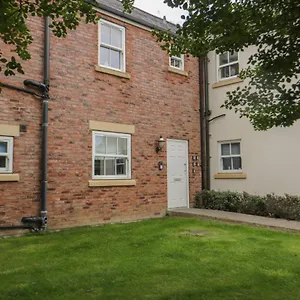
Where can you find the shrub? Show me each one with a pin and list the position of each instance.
(286, 207)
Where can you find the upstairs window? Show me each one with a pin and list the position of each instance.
(228, 65)
(6, 154)
(111, 155)
(230, 156)
(111, 46)
(177, 62)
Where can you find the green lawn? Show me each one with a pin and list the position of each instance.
(155, 259)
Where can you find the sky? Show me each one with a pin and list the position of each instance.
(160, 9)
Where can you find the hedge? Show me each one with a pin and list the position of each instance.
(285, 207)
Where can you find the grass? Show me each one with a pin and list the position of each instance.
(154, 259)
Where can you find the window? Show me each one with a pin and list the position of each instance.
(228, 65)
(177, 62)
(111, 46)
(111, 155)
(231, 160)
(6, 154)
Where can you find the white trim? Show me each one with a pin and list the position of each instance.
(128, 156)
(187, 170)
(9, 154)
(226, 65)
(180, 59)
(220, 156)
(121, 50)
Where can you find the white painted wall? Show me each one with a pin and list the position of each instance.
(271, 159)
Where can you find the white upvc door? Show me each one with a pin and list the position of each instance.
(178, 180)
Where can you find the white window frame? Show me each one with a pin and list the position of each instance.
(122, 50)
(178, 58)
(9, 154)
(229, 156)
(128, 156)
(219, 67)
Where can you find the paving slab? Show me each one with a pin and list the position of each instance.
(232, 217)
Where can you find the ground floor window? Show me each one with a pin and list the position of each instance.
(6, 154)
(111, 155)
(230, 156)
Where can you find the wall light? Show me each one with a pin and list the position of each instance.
(160, 144)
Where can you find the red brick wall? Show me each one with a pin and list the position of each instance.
(156, 101)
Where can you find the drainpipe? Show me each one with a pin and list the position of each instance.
(44, 182)
(202, 123)
(39, 223)
(207, 113)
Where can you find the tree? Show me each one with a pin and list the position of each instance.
(272, 97)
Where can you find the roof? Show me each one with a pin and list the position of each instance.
(137, 15)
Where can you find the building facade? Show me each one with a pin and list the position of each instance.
(113, 95)
(241, 159)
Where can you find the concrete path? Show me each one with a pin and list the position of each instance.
(231, 217)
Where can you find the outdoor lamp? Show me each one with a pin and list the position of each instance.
(160, 144)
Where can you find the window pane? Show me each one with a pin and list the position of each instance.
(2, 161)
(104, 56)
(234, 70)
(235, 148)
(233, 57)
(99, 166)
(226, 163)
(223, 59)
(175, 63)
(100, 144)
(115, 59)
(225, 72)
(237, 163)
(225, 149)
(111, 145)
(110, 166)
(116, 37)
(3, 147)
(105, 34)
(122, 146)
(121, 166)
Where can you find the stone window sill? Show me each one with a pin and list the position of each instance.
(226, 82)
(230, 176)
(112, 72)
(125, 182)
(9, 177)
(177, 71)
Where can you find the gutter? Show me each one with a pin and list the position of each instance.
(126, 15)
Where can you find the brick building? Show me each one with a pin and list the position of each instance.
(113, 94)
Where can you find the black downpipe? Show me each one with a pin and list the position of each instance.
(207, 113)
(202, 123)
(44, 182)
(39, 223)
(12, 87)
(16, 227)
